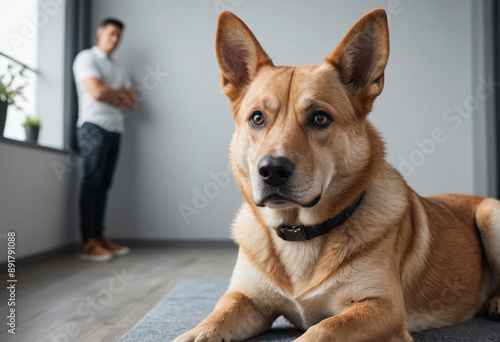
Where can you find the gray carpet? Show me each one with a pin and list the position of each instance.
(193, 299)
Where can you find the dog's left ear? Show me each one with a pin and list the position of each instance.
(238, 53)
(361, 57)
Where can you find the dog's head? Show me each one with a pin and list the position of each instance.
(302, 140)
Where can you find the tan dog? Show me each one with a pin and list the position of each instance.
(391, 262)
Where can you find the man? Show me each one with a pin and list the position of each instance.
(104, 92)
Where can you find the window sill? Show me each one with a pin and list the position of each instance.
(35, 146)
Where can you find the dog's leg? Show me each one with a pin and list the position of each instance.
(488, 223)
(235, 318)
(373, 319)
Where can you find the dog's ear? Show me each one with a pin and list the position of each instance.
(238, 53)
(361, 57)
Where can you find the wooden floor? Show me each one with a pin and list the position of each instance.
(67, 299)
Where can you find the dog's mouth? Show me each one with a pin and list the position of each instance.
(276, 201)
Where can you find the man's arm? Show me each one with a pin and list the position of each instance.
(120, 98)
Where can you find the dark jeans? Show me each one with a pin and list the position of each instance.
(99, 150)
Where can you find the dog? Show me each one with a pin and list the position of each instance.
(329, 234)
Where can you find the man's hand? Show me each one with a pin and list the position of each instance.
(123, 98)
(128, 99)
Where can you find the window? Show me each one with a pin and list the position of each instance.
(18, 40)
(32, 33)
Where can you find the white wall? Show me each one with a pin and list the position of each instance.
(180, 132)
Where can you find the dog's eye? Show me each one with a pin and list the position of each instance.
(257, 118)
(321, 119)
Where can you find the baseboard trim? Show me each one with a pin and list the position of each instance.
(156, 243)
(72, 248)
(40, 257)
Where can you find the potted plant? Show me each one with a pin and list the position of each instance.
(9, 92)
(32, 128)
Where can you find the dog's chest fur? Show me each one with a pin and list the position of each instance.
(299, 260)
(302, 310)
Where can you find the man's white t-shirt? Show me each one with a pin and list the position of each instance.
(94, 63)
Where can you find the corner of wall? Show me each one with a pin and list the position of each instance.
(483, 120)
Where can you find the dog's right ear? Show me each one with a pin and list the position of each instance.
(238, 53)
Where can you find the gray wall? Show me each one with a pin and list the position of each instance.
(179, 135)
(36, 202)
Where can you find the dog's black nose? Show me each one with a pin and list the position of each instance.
(275, 170)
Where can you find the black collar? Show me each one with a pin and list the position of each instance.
(302, 233)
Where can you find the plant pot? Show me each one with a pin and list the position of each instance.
(32, 134)
(3, 116)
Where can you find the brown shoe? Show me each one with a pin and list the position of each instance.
(117, 250)
(93, 251)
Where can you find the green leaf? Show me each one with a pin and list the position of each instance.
(32, 122)
(8, 92)
(11, 80)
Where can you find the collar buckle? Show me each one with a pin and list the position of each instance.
(295, 233)
(303, 233)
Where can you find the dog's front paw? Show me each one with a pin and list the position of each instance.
(493, 307)
(186, 337)
(198, 335)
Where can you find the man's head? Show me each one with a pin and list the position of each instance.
(109, 35)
